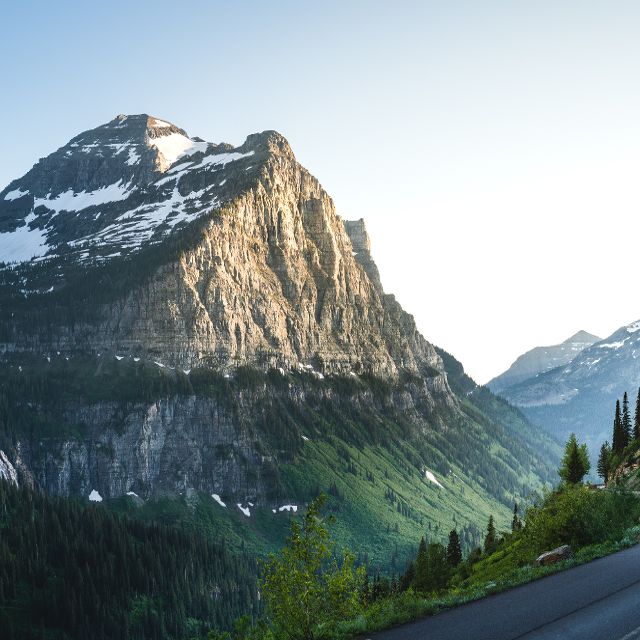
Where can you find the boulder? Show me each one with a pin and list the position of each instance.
(555, 555)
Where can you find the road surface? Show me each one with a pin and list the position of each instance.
(595, 601)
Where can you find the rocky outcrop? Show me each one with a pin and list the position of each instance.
(626, 474)
(555, 555)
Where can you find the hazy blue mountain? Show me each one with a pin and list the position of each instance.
(541, 359)
(580, 395)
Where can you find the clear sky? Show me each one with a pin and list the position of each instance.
(492, 147)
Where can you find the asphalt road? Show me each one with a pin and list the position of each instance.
(595, 601)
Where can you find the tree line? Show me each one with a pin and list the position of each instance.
(69, 570)
(625, 435)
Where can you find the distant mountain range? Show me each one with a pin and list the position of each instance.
(579, 395)
(541, 359)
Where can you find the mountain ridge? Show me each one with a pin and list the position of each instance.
(580, 395)
(541, 359)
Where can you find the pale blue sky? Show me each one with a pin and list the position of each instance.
(492, 147)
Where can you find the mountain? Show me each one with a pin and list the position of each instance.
(541, 359)
(580, 396)
(269, 278)
(194, 323)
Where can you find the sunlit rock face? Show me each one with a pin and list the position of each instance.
(238, 254)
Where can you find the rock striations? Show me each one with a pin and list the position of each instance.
(268, 273)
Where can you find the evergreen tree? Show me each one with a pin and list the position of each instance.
(516, 523)
(490, 540)
(636, 422)
(604, 461)
(421, 567)
(438, 574)
(431, 568)
(626, 420)
(408, 577)
(618, 442)
(454, 552)
(575, 463)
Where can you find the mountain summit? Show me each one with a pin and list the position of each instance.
(580, 394)
(114, 189)
(237, 252)
(541, 359)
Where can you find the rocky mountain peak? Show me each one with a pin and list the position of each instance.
(113, 188)
(541, 359)
(271, 141)
(222, 255)
(582, 337)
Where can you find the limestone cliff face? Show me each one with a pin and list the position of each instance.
(177, 443)
(211, 257)
(275, 278)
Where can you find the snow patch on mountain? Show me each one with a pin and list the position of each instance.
(71, 201)
(218, 499)
(7, 470)
(612, 345)
(431, 478)
(24, 243)
(633, 327)
(15, 194)
(175, 145)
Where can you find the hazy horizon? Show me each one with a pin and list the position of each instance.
(492, 150)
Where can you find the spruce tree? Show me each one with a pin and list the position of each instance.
(618, 443)
(626, 420)
(490, 540)
(516, 523)
(438, 567)
(636, 422)
(575, 463)
(420, 579)
(454, 552)
(604, 461)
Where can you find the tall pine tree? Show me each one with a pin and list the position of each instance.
(626, 419)
(636, 422)
(604, 461)
(516, 523)
(575, 463)
(490, 540)
(454, 552)
(618, 442)
(421, 568)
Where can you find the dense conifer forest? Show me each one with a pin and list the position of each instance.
(69, 570)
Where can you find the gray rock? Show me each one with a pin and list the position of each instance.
(555, 555)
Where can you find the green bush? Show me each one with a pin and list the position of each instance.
(579, 516)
